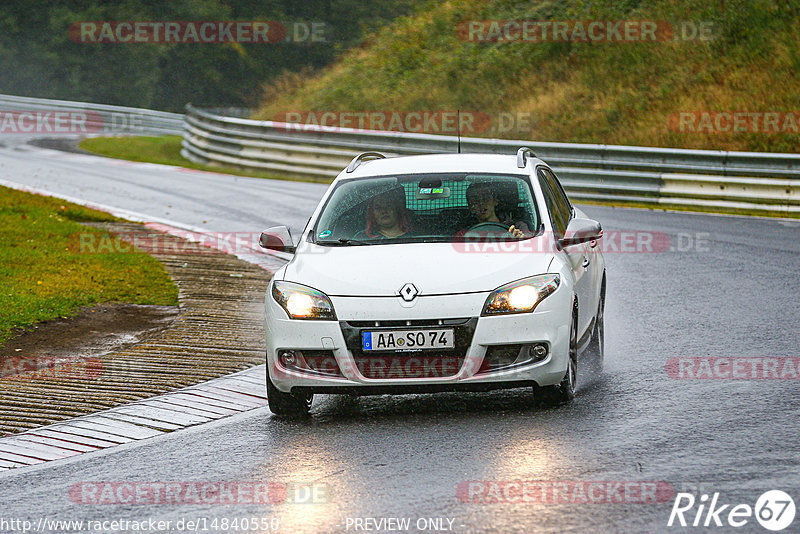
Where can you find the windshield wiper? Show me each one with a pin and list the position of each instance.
(342, 242)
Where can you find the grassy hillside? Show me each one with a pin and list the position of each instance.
(601, 92)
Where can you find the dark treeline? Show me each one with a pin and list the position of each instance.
(38, 58)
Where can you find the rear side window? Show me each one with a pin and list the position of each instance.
(557, 203)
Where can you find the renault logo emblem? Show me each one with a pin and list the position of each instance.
(409, 292)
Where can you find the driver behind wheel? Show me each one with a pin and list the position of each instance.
(483, 205)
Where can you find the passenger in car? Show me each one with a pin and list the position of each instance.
(484, 207)
(387, 216)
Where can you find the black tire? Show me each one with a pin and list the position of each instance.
(287, 404)
(564, 392)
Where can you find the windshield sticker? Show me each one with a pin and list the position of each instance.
(432, 193)
(324, 234)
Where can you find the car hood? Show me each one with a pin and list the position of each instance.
(434, 268)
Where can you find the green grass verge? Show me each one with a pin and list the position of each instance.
(166, 150)
(45, 275)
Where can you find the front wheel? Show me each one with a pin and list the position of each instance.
(287, 404)
(564, 391)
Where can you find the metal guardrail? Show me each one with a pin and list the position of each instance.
(95, 118)
(753, 181)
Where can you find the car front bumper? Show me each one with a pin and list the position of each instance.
(462, 369)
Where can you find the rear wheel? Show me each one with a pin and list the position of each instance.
(564, 392)
(287, 404)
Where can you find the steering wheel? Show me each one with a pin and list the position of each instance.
(479, 229)
(486, 226)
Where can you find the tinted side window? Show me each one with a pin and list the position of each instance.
(559, 191)
(557, 213)
(560, 196)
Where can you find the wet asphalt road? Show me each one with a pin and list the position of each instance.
(728, 288)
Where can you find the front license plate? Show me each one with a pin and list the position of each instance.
(408, 340)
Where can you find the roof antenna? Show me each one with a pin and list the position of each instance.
(458, 115)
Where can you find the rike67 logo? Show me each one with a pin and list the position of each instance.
(774, 510)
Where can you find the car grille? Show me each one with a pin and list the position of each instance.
(404, 364)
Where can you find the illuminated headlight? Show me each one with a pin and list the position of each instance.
(521, 296)
(303, 302)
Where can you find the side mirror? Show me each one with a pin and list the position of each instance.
(277, 238)
(581, 230)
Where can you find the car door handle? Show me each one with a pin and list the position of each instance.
(586, 261)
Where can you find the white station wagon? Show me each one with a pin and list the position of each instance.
(457, 272)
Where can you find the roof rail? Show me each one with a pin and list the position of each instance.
(522, 156)
(356, 161)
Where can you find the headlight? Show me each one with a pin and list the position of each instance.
(521, 296)
(303, 302)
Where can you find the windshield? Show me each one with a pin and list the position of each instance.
(427, 208)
